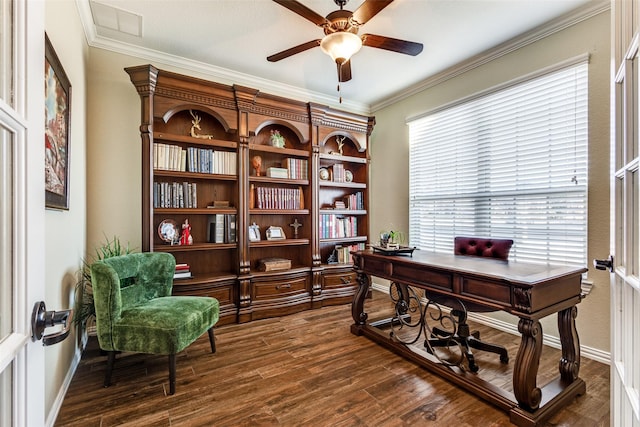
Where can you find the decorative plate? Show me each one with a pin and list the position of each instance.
(168, 231)
(348, 176)
(324, 174)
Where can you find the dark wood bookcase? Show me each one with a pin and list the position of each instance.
(320, 174)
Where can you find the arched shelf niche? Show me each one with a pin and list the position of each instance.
(181, 119)
(342, 142)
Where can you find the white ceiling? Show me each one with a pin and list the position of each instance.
(229, 40)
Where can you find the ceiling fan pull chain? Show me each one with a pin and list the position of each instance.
(339, 95)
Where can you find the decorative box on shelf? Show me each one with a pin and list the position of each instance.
(277, 173)
(274, 264)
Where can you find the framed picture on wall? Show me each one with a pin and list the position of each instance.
(56, 130)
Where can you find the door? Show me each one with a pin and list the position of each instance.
(21, 210)
(625, 230)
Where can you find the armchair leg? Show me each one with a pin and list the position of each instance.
(111, 358)
(212, 340)
(172, 373)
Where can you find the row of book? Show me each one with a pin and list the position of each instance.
(354, 201)
(206, 160)
(183, 271)
(193, 159)
(338, 173)
(343, 253)
(175, 195)
(334, 226)
(297, 168)
(221, 228)
(279, 198)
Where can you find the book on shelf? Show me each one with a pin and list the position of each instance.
(221, 228)
(343, 253)
(296, 168)
(337, 172)
(168, 157)
(272, 198)
(354, 201)
(175, 195)
(207, 160)
(334, 226)
(230, 235)
(182, 271)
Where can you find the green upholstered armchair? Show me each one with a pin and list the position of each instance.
(135, 311)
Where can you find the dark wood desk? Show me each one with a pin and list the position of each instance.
(528, 291)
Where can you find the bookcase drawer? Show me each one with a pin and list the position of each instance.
(280, 288)
(344, 279)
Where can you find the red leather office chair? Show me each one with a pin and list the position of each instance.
(470, 246)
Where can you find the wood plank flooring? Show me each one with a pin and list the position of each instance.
(305, 369)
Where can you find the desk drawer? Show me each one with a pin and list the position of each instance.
(339, 280)
(493, 292)
(280, 288)
(435, 279)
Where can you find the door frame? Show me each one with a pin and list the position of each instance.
(25, 118)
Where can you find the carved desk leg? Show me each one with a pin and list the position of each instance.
(525, 369)
(357, 307)
(570, 361)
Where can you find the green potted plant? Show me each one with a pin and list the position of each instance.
(276, 139)
(391, 239)
(84, 308)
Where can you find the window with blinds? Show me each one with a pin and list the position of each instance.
(511, 163)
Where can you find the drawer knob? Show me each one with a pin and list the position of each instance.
(345, 280)
(285, 286)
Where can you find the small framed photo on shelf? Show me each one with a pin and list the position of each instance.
(275, 233)
(254, 233)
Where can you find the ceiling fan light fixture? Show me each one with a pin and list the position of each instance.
(341, 45)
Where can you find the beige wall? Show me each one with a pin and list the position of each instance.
(390, 150)
(65, 231)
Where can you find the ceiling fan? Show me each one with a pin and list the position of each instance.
(341, 28)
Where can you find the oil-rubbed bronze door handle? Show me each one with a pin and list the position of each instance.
(42, 319)
(604, 264)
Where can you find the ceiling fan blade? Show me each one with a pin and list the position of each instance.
(394, 45)
(369, 9)
(344, 71)
(304, 11)
(292, 51)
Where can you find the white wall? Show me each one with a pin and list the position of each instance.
(65, 231)
(390, 151)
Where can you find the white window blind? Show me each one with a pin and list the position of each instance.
(509, 164)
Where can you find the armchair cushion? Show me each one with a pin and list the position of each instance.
(164, 325)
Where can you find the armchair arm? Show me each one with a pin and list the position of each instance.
(107, 301)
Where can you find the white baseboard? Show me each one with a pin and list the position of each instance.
(550, 340)
(57, 404)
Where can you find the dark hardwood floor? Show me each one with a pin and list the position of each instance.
(305, 369)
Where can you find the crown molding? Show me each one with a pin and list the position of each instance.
(556, 25)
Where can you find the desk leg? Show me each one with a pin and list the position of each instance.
(357, 307)
(525, 369)
(570, 361)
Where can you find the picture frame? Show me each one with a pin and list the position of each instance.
(254, 233)
(57, 130)
(275, 233)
